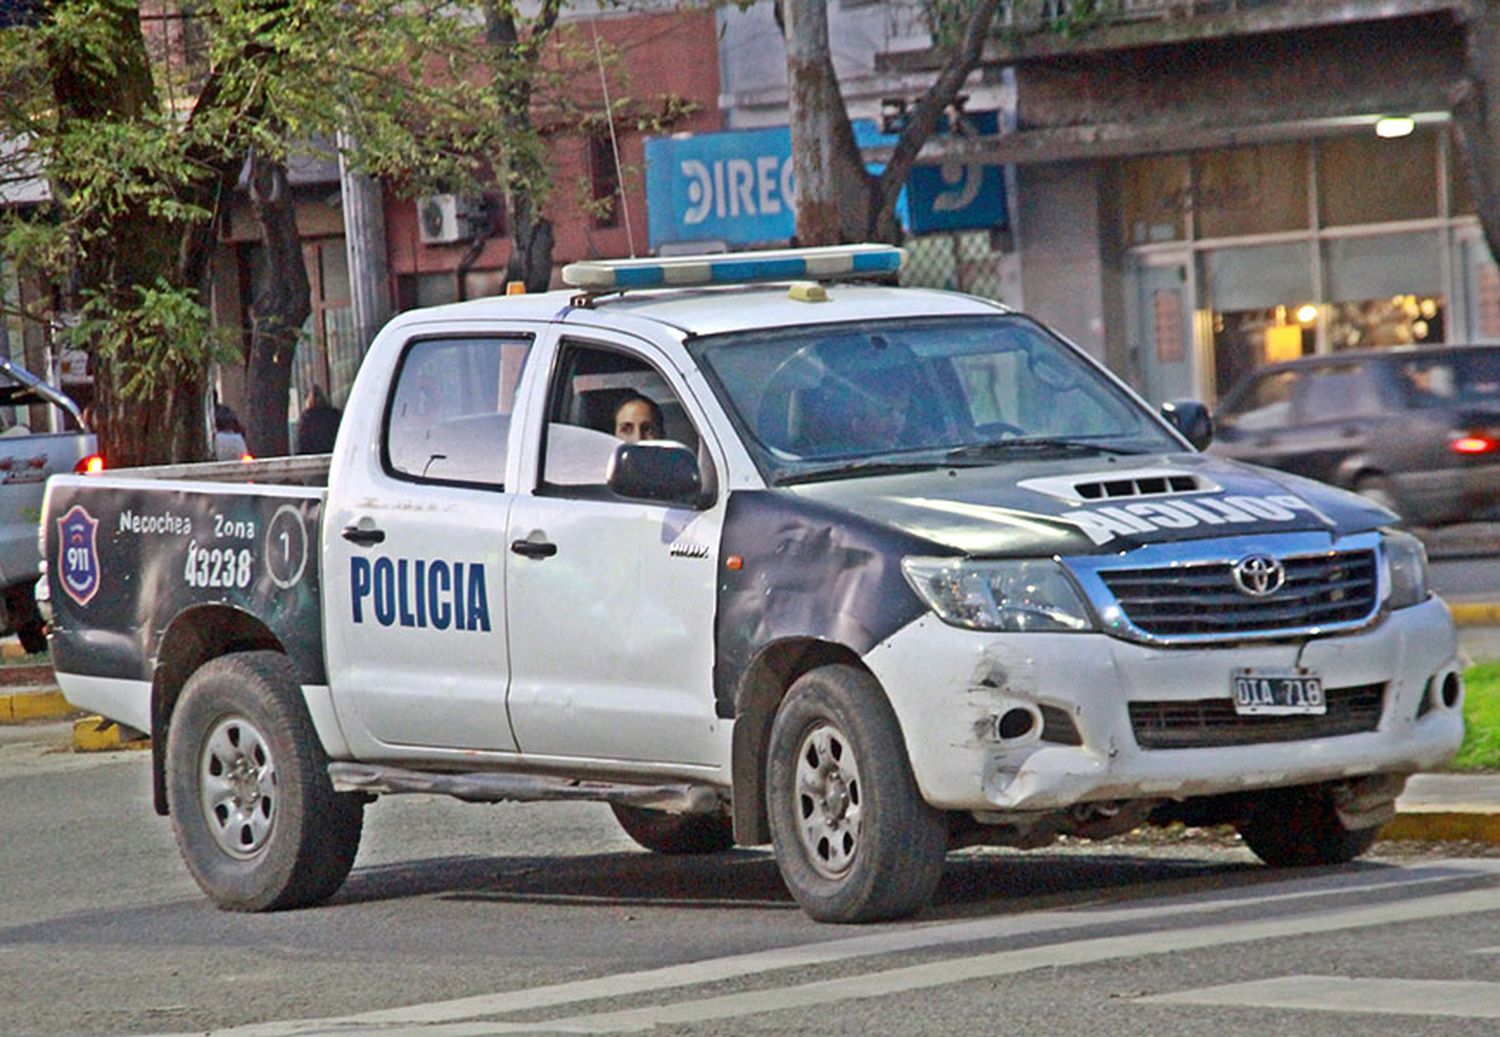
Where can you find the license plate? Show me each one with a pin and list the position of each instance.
(1269, 692)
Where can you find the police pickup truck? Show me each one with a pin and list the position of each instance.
(868, 573)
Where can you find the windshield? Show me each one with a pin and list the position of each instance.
(949, 390)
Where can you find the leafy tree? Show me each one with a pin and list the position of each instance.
(145, 118)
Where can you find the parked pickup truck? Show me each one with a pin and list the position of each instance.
(867, 574)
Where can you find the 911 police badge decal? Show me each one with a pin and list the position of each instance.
(78, 554)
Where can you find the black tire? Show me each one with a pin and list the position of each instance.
(26, 618)
(676, 834)
(272, 834)
(853, 837)
(1296, 828)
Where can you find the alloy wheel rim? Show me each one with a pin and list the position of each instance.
(237, 782)
(829, 800)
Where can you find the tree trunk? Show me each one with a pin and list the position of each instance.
(276, 314)
(531, 239)
(830, 187)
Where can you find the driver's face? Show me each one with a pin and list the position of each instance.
(634, 422)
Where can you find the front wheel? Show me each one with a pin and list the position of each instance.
(1300, 827)
(255, 816)
(854, 839)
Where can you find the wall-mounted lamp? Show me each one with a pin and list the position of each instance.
(1390, 127)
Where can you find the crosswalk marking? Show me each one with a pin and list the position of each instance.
(1466, 999)
(442, 1019)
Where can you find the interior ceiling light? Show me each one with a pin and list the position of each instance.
(1307, 313)
(1390, 127)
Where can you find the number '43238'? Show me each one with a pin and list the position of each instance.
(218, 566)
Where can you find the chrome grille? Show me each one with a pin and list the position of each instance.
(1209, 723)
(1201, 600)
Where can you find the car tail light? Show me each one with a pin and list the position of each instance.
(93, 464)
(1473, 443)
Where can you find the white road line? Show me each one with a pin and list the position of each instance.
(439, 1019)
(830, 951)
(1465, 999)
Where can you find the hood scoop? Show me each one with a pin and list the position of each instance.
(1107, 486)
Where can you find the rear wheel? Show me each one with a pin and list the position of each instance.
(255, 816)
(1300, 827)
(854, 839)
(20, 602)
(676, 834)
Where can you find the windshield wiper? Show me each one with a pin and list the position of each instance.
(998, 447)
(852, 469)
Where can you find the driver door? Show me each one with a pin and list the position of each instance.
(609, 602)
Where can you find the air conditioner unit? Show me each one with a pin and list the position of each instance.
(443, 219)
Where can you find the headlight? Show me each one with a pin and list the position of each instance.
(1406, 569)
(1031, 595)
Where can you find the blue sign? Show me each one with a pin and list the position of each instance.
(734, 187)
(958, 195)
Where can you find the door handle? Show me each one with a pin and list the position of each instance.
(533, 548)
(363, 537)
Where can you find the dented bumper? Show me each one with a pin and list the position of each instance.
(1114, 720)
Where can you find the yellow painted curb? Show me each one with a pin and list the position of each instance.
(97, 735)
(18, 707)
(1475, 613)
(1445, 826)
(12, 650)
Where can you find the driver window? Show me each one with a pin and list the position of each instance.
(599, 399)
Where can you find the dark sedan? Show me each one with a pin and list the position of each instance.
(1417, 430)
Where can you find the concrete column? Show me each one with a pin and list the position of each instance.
(364, 242)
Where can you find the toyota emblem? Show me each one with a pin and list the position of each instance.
(1259, 575)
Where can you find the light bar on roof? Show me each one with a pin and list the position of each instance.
(833, 263)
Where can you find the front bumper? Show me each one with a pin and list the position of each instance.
(951, 690)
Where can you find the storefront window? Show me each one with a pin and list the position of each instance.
(1384, 290)
(1242, 191)
(1154, 195)
(1363, 179)
(1261, 302)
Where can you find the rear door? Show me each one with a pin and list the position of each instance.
(414, 545)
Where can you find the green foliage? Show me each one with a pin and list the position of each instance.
(1481, 748)
(152, 336)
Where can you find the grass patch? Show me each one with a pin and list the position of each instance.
(1481, 748)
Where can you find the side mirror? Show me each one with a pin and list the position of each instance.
(660, 471)
(1192, 419)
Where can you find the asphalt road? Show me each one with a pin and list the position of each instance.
(1466, 579)
(464, 919)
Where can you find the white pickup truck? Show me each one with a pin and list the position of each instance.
(867, 573)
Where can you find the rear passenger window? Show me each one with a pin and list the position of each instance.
(450, 409)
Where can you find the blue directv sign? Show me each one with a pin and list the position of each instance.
(736, 187)
(957, 195)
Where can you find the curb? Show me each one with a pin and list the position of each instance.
(1463, 822)
(18, 707)
(1475, 613)
(96, 735)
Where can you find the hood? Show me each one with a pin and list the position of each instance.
(1096, 505)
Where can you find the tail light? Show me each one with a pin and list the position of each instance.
(93, 464)
(1473, 443)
